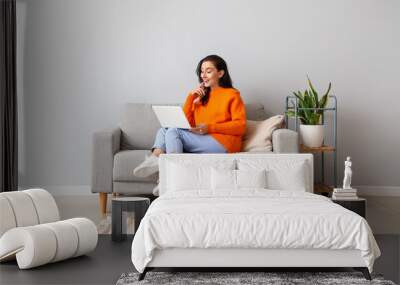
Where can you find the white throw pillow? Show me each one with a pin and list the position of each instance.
(281, 174)
(237, 179)
(251, 179)
(292, 179)
(186, 175)
(258, 136)
(223, 179)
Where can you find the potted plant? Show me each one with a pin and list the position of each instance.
(310, 108)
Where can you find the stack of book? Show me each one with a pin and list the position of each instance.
(344, 194)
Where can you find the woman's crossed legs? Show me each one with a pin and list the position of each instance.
(174, 140)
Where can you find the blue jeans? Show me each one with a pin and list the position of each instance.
(173, 140)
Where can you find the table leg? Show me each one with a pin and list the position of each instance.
(116, 234)
(140, 211)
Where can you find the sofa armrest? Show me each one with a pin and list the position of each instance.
(105, 144)
(285, 141)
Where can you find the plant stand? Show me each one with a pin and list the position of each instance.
(292, 105)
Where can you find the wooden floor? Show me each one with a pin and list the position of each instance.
(111, 259)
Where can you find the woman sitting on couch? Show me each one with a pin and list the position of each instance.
(215, 112)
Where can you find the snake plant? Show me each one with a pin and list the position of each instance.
(310, 99)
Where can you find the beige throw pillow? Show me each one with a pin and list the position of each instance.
(258, 136)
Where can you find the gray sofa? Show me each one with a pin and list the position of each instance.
(117, 151)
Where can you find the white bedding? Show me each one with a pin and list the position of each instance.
(251, 218)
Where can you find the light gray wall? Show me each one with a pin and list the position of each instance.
(79, 61)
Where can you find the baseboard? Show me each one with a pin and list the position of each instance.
(386, 191)
(63, 190)
(363, 190)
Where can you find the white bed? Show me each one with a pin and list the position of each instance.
(197, 222)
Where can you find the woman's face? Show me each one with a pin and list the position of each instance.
(210, 74)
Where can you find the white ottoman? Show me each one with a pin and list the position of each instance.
(25, 237)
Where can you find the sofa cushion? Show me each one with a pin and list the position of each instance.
(124, 163)
(139, 124)
(258, 136)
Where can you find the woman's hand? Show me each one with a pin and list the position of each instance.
(201, 129)
(199, 91)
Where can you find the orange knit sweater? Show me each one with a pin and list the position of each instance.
(224, 114)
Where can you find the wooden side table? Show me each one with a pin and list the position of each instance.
(358, 205)
(138, 205)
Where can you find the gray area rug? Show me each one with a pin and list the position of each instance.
(228, 278)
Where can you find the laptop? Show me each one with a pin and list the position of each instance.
(171, 117)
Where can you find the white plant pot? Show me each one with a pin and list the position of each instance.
(312, 135)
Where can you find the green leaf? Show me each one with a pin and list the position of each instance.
(308, 103)
(300, 99)
(329, 88)
(298, 95)
(324, 101)
(310, 99)
(315, 93)
(293, 114)
(314, 99)
(316, 119)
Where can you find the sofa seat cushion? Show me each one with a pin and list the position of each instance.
(258, 136)
(125, 162)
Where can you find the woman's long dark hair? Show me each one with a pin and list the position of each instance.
(220, 64)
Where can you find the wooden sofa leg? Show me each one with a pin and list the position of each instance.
(103, 203)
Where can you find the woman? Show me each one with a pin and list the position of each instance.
(215, 112)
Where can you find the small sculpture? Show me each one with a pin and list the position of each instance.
(347, 174)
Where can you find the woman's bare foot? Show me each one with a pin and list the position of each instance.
(157, 151)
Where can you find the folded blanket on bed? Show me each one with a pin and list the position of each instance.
(250, 218)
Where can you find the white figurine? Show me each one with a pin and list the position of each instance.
(347, 174)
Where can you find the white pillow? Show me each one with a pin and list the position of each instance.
(251, 179)
(258, 134)
(280, 174)
(292, 179)
(185, 175)
(223, 179)
(237, 179)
